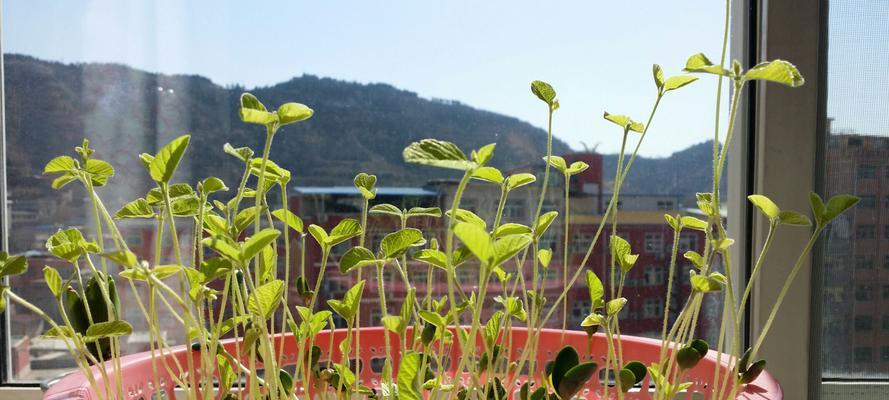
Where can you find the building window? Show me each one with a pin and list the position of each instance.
(884, 354)
(548, 241)
(863, 354)
(514, 209)
(886, 202)
(654, 275)
(868, 201)
(867, 171)
(885, 292)
(864, 232)
(886, 232)
(886, 322)
(664, 204)
(580, 309)
(886, 262)
(687, 242)
(421, 276)
(864, 262)
(864, 293)
(863, 323)
(580, 242)
(654, 243)
(654, 308)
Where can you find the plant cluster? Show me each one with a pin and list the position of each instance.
(236, 246)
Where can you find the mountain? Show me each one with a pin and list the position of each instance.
(51, 106)
(683, 173)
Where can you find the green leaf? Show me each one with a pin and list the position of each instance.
(614, 306)
(437, 153)
(166, 271)
(483, 154)
(507, 247)
(125, 258)
(59, 332)
(257, 242)
(839, 204)
(576, 378)
(658, 76)
(224, 246)
(99, 171)
(431, 256)
(469, 217)
(557, 163)
(544, 256)
(543, 222)
(596, 289)
(687, 357)
(765, 205)
(753, 371)
(167, 159)
(544, 91)
(576, 168)
(705, 284)
(53, 280)
(265, 299)
(397, 243)
(672, 221)
(694, 223)
(619, 247)
(319, 234)
(519, 180)
(352, 298)
(625, 122)
(289, 113)
(138, 208)
(778, 71)
(676, 82)
(593, 319)
(290, 219)
(566, 359)
(408, 382)
(386, 209)
(102, 330)
(638, 370)
(12, 265)
(477, 240)
(252, 111)
(63, 180)
(366, 184)
(793, 218)
(488, 174)
(433, 318)
(511, 229)
(818, 208)
(343, 231)
(60, 164)
(696, 258)
(242, 153)
(391, 323)
(357, 257)
(700, 63)
(424, 212)
(627, 379)
(212, 184)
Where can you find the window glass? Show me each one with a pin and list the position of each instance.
(130, 76)
(855, 254)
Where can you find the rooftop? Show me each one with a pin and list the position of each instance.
(352, 191)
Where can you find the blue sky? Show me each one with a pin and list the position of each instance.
(598, 55)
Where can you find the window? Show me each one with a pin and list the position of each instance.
(580, 309)
(580, 242)
(864, 262)
(863, 323)
(868, 201)
(867, 172)
(884, 353)
(864, 232)
(856, 150)
(665, 205)
(654, 243)
(864, 293)
(654, 275)
(654, 308)
(688, 242)
(514, 210)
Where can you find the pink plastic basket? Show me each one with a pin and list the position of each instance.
(138, 380)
